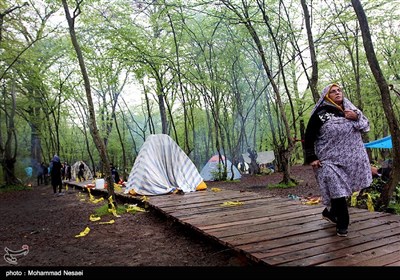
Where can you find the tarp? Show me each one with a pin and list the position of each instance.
(383, 143)
(262, 157)
(213, 166)
(87, 174)
(162, 167)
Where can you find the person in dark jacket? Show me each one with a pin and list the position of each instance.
(39, 171)
(67, 171)
(55, 174)
(45, 173)
(115, 174)
(81, 172)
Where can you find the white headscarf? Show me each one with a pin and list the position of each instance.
(324, 102)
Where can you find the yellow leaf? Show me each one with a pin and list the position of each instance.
(114, 212)
(84, 232)
(131, 207)
(117, 187)
(107, 223)
(313, 201)
(354, 199)
(94, 218)
(232, 203)
(91, 197)
(215, 189)
(370, 204)
(97, 200)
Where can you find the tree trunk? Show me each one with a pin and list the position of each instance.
(245, 19)
(9, 151)
(387, 191)
(313, 82)
(92, 117)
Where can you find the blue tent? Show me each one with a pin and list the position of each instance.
(383, 143)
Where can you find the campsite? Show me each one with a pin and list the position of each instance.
(48, 225)
(174, 96)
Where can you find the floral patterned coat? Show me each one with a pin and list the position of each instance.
(337, 143)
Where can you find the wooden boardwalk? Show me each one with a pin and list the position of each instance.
(277, 231)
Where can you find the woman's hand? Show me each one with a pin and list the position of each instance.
(316, 164)
(350, 115)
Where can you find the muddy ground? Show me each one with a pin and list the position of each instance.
(40, 228)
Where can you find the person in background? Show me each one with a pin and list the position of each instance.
(114, 174)
(62, 171)
(81, 172)
(55, 174)
(67, 171)
(335, 150)
(45, 173)
(39, 174)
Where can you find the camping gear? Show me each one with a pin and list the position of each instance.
(162, 167)
(99, 184)
(383, 143)
(213, 168)
(262, 157)
(87, 174)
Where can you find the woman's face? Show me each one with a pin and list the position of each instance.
(336, 95)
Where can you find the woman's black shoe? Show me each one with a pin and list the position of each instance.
(341, 232)
(328, 216)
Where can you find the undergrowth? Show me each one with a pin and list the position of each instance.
(103, 210)
(12, 188)
(369, 198)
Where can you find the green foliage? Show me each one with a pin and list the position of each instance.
(362, 199)
(103, 210)
(394, 204)
(12, 188)
(394, 208)
(291, 184)
(396, 195)
(374, 192)
(222, 84)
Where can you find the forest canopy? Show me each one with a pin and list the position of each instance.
(219, 77)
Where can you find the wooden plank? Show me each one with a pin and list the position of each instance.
(289, 245)
(278, 231)
(308, 211)
(380, 257)
(330, 243)
(217, 208)
(336, 254)
(395, 263)
(250, 225)
(290, 240)
(233, 214)
(173, 199)
(180, 210)
(272, 223)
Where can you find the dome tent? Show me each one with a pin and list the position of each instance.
(212, 169)
(86, 173)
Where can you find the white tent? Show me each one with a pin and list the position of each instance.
(262, 157)
(213, 167)
(87, 174)
(162, 167)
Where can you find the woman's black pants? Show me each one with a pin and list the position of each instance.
(340, 210)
